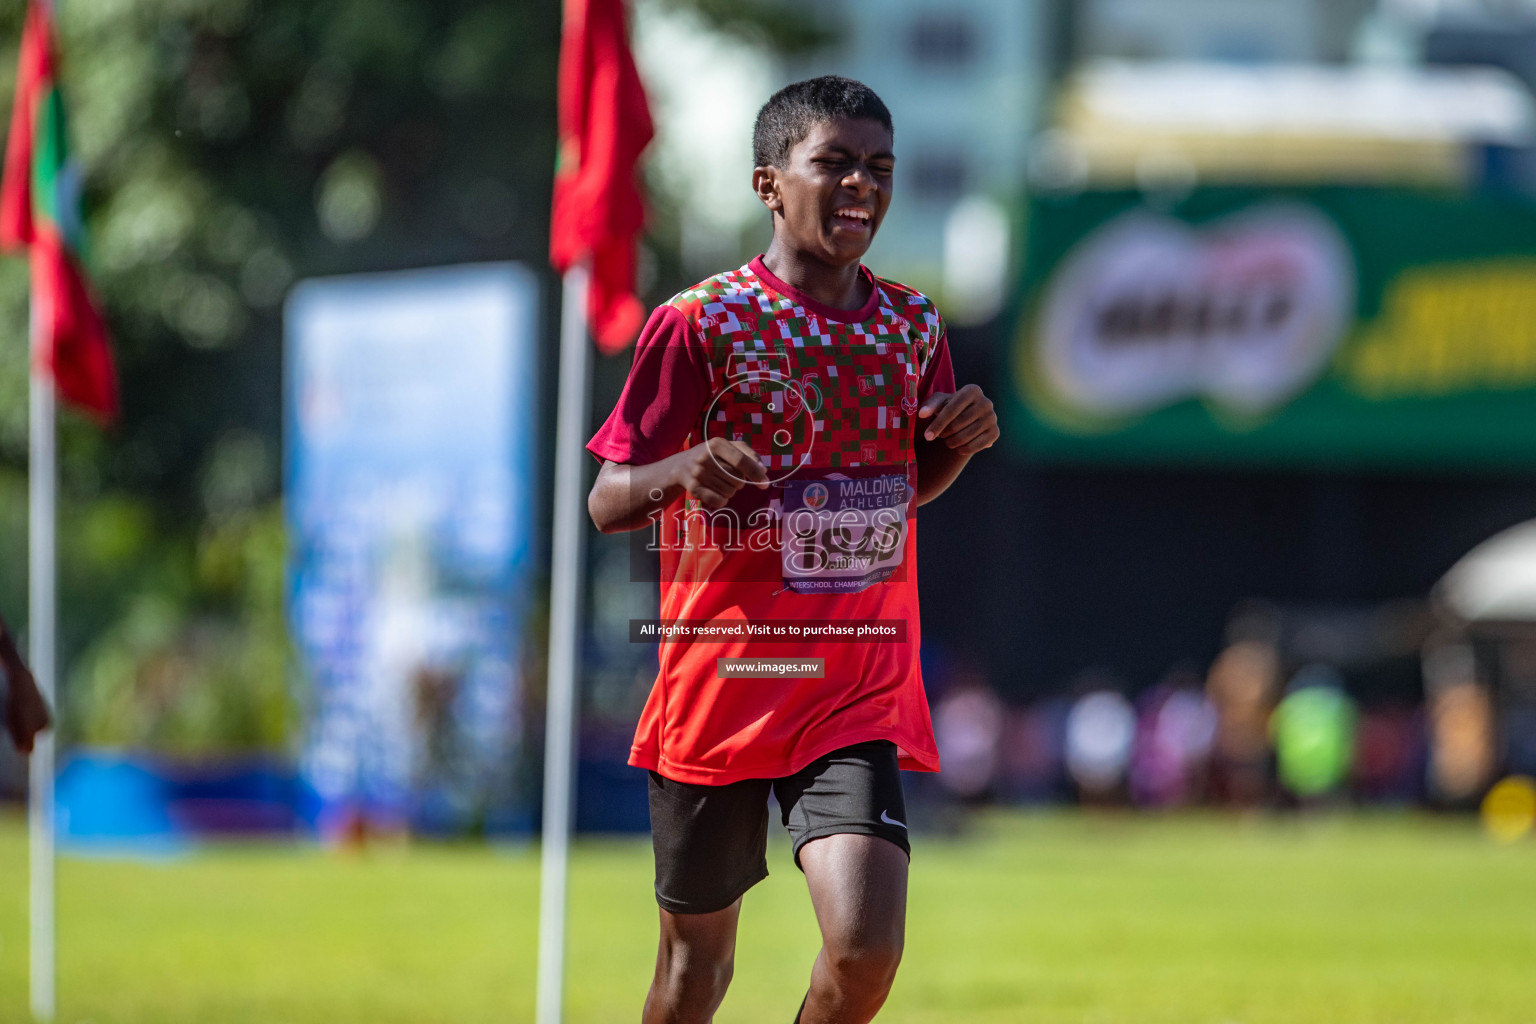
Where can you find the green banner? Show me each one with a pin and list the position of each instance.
(1329, 326)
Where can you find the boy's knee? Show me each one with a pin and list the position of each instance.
(694, 979)
(864, 966)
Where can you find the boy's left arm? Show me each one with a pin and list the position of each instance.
(948, 430)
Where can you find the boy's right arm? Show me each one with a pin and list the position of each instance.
(627, 497)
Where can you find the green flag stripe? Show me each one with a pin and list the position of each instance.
(55, 196)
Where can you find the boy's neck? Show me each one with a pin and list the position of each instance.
(839, 287)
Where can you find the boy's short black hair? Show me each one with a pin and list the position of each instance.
(791, 113)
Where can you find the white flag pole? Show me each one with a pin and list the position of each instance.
(42, 613)
(42, 478)
(565, 586)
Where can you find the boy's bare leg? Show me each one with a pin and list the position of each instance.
(859, 889)
(693, 966)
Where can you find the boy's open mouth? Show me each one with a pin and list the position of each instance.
(852, 217)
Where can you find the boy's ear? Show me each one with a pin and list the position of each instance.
(765, 182)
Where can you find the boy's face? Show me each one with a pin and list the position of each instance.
(833, 192)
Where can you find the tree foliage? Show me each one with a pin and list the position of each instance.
(785, 28)
(230, 148)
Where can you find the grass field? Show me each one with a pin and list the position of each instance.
(1031, 918)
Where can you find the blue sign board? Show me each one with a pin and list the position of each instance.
(410, 405)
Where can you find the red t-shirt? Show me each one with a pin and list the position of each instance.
(826, 397)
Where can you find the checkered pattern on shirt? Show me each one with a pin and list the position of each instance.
(757, 340)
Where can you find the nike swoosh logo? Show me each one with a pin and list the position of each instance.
(885, 817)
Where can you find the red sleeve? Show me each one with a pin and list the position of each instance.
(663, 399)
(940, 375)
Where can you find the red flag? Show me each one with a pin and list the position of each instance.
(605, 124)
(40, 211)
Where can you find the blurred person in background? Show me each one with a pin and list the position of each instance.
(1314, 733)
(1173, 742)
(1460, 712)
(1101, 734)
(26, 712)
(1241, 686)
(1030, 753)
(1389, 755)
(968, 725)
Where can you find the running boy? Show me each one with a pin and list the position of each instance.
(779, 427)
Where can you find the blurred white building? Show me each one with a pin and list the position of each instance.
(1246, 31)
(966, 82)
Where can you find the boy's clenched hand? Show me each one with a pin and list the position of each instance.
(965, 421)
(716, 469)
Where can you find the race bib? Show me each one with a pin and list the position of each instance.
(840, 534)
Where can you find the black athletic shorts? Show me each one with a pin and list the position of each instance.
(711, 842)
